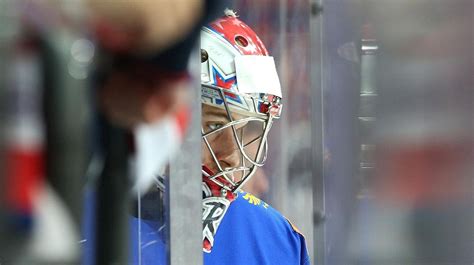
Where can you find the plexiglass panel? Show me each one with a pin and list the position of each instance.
(285, 180)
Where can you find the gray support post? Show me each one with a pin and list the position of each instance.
(113, 199)
(11, 242)
(68, 113)
(184, 187)
(280, 181)
(367, 114)
(8, 32)
(317, 85)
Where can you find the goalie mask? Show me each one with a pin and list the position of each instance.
(242, 95)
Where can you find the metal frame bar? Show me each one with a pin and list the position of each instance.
(67, 115)
(113, 200)
(317, 135)
(10, 241)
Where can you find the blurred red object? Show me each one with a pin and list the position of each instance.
(423, 173)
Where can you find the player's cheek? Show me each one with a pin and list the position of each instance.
(205, 154)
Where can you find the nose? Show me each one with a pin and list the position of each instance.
(226, 149)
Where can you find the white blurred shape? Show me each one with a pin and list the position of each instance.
(82, 50)
(54, 238)
(155, 144)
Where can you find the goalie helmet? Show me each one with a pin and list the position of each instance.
(239, 81)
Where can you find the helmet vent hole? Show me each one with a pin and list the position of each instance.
(241, 41)
(204, 56)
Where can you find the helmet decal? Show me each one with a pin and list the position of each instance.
(229, 83)
(221, 81)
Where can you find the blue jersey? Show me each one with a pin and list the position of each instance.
(251, 232)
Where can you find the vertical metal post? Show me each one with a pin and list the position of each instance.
(67, 109)
(280, 180)
(367, 115)
(317, 84)
(11, 242)
(113, 200)
(10, 21)
(67, 116)
(184, 189)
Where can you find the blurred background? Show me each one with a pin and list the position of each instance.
(372, 159)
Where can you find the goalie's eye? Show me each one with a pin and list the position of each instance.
(214, 126)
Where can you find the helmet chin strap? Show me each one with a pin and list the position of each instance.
(216, 186)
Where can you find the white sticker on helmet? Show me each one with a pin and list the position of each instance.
(257, 74)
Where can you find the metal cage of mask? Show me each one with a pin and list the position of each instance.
(224, 177)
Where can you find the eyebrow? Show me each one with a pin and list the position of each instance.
(216, 112)
(219, 113)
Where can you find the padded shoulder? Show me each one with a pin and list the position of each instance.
(253, 226)
(259, 212)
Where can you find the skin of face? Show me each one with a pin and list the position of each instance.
(223, 143)
(226, 149)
